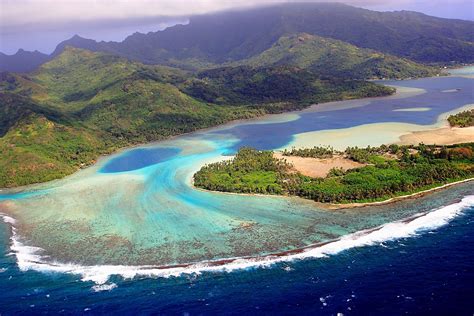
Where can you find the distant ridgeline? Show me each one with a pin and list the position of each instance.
(389, 172)
(91, 98)
(216, 39)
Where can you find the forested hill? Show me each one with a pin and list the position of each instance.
(236, 35)
(333, 58)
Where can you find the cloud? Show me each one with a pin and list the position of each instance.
(21, 12)
(36, 12)
(41, 24)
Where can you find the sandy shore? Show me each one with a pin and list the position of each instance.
(440, 136)
(316, 167)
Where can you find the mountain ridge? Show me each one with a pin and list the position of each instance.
(205, 39)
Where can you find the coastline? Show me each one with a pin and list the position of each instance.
(92, 169)
(399, 93)
(341, 206)
(446, 135)
(29, 258)
(396, 198)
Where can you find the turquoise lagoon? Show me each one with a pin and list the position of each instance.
(138, 207)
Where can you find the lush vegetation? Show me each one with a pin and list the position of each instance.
(251, 171)
(332, 58)
(390, 171)
(463, 119)
(315, 152)
(235, 65)
(83, 104)
(38, 150)
(274, 86)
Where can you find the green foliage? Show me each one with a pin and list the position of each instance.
(38, 150)
(336, 172)
(107, 100)
(260, 87)
(332, 58)
(463, 119)
(415, 169)
(238, 35)
(251, 171)
(315, 152)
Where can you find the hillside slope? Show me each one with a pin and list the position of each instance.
(333, 58)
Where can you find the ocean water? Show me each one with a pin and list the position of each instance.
(430, 273)
(131, 232)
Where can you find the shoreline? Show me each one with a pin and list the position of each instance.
(229, 124)
(445, 135)
(315, 107)
(341, 206)
(395, 199)
(400, 91)
(31, 259)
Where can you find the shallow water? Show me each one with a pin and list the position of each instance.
(138, 207)
(430, 273)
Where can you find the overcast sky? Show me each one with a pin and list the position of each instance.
(42, 24)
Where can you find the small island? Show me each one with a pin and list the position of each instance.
(357, 175)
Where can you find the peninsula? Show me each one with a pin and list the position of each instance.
(325, 175)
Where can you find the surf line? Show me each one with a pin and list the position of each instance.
(29, 259)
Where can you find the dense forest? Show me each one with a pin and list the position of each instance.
(462, 119)
(270, 86)
(390, 171)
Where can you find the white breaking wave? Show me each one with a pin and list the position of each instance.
(8, 220)
(104, 287)
(30, 258)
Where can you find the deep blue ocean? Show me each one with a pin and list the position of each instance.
(430, 274)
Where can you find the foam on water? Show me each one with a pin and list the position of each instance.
(30, 258)
(104, 287)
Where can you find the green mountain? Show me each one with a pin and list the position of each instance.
(332, 58)
(236, 35)
(83, 104)
(223, 37)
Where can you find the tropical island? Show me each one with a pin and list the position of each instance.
(179, 146)
(84, 104)
(376, 173)
(60, 112)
